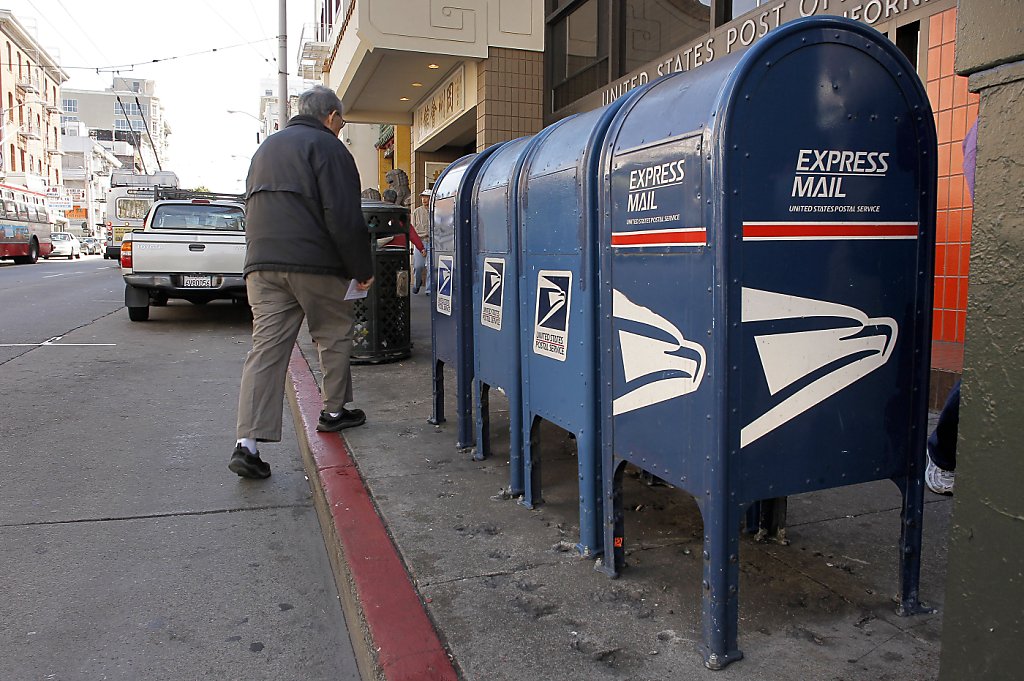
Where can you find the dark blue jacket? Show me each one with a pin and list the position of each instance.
(302, 205)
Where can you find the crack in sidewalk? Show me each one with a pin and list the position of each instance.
(148, 516)
(484, 575)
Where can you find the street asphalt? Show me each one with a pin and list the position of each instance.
(511, 600)
(129, 551)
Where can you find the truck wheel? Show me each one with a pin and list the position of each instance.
(138, 314)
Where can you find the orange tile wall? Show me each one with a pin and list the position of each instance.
(955, 109)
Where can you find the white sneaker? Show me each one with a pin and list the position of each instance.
(938, 480)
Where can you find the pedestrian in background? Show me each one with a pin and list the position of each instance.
(399, 240)
(940, 471)
(306, 241)
(421, 223)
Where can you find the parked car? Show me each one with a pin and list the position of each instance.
(91, 246)
(64, 245)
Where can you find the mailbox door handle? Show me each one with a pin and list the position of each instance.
(197, 247)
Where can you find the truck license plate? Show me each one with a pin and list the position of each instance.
(197, 282)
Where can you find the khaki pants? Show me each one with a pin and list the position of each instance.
(279, 302)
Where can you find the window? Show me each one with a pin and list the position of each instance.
(737, 8)
(199, 216)
(132, 108)
(650, 29)
(579, 41)
(70, 106)
(595, 42)
(128, 209)
(10, 60)
(135, 124)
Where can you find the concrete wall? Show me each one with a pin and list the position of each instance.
(462, 27)
(984, 620)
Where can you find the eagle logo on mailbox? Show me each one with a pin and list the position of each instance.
(445, 266)
(551, 325)
(652, 347)
(812, 350)
(493, 290)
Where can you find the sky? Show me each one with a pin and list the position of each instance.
(208, 145)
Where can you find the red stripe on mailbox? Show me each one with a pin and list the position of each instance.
(795, 231)
(697, 236)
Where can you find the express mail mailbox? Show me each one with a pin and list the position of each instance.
(495, 240)
(558, 303)
(451, 328)
(767, 254)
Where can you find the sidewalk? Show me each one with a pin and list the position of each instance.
(511, 600)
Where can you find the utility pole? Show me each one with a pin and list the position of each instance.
(282, 63)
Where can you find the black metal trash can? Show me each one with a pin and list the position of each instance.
(381, 332)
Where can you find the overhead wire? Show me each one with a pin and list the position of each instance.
(70, 43)
(263, 30)
(237, 32)
(129, 66)
(75, 21)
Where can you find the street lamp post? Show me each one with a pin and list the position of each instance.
(255, 118)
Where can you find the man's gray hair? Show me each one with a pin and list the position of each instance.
(319, 102)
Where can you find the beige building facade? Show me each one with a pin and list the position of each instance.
(129, 112)
(451, 78)
(30, 87)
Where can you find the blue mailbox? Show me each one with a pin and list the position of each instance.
(767, 260)
(451, 332)
(558, 303)
(495, 236)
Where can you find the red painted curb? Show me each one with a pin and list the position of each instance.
(404, 638)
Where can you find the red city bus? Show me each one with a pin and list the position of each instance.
(25, 225)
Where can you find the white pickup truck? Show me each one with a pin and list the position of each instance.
(189, 249)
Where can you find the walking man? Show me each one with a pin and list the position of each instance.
(306, 241)
(421, 259)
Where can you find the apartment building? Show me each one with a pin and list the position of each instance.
(87, 167)
(129, 112)
(30, 85)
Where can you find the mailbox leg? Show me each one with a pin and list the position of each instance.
(720, 587)
(588, 457)
(531, 460)
(911, 518)
(437, 418)
(483, 421)
(464, 407)
(614, 520)
(515, 443)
